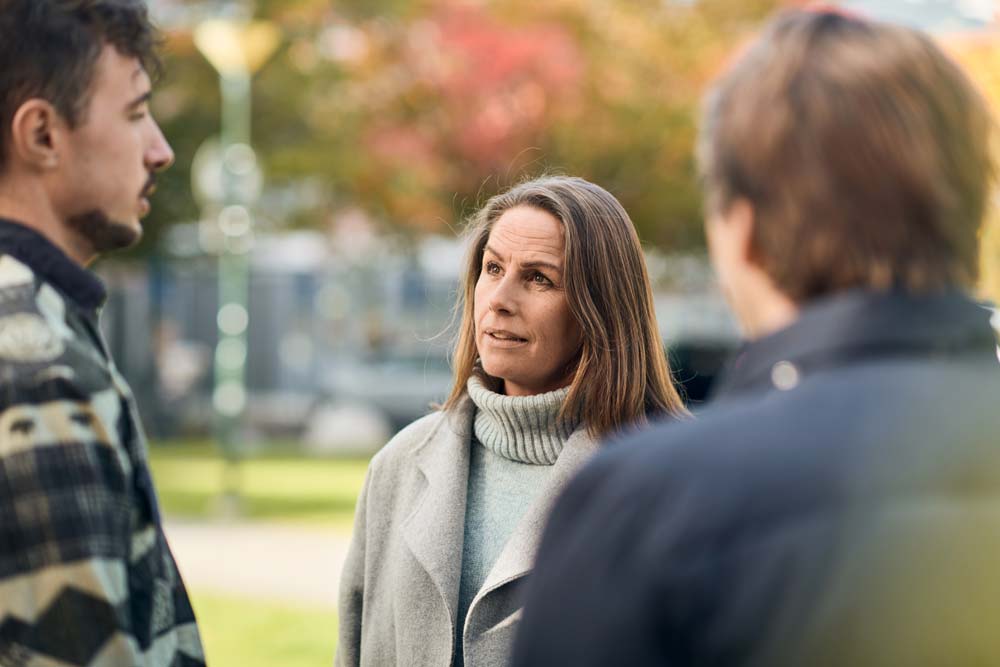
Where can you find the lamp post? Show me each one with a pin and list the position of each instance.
(236, 49)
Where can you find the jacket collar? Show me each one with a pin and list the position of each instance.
(51, 264)
(435, 530)
(443, 458)
(862, 324)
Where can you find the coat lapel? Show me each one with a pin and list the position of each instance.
(434, 532)
(518, 556)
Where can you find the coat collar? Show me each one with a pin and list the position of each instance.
(435, 530)
(444, 460)
(858, 325)
(51, 264)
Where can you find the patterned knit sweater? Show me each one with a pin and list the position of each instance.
(86, 577)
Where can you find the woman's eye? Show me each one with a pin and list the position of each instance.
(492, 268)
(540, 279)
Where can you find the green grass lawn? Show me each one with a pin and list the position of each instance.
(240, 632)
(275, 485)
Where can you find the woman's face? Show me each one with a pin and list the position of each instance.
(525, 333)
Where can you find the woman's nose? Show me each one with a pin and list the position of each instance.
(503, 298)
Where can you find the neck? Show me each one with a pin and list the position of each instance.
(768, 317)
(27, 202)
(761, 308)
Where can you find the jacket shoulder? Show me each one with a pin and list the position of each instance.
(409, 438)
(44, 354)
(33, 326)
(18, 286)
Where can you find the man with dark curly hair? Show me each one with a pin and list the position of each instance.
(86, 576)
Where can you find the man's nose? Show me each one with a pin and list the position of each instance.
(160, 155)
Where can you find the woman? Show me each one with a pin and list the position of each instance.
(558, 346)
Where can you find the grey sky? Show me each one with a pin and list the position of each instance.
(931, 15)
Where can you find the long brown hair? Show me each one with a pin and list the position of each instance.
(622, 376)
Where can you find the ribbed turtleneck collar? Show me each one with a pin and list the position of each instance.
(526, 429)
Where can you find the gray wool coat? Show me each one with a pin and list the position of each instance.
(399, 588)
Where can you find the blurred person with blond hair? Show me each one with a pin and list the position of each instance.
(557, 347)
(839, 503)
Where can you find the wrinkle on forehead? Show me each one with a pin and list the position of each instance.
(528, 232)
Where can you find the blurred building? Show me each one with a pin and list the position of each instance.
(366, 328)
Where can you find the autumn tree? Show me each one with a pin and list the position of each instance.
(415, 112)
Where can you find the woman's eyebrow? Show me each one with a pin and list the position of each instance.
(541, 264)
(534, 264)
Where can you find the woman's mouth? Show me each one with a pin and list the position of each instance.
(505, 338)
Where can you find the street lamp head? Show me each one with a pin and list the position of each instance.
(237, 48)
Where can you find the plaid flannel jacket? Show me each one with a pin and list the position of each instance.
(86, 576)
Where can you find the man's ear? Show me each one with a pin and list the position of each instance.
(730, 235)
(740, 220)
(36, 133)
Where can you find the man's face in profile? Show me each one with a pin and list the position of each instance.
(113, 154)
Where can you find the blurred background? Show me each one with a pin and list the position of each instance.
(290, 305)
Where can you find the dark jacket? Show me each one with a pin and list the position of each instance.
(86, 577)
(838, 505)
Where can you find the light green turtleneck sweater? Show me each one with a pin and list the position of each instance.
(515, 442)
